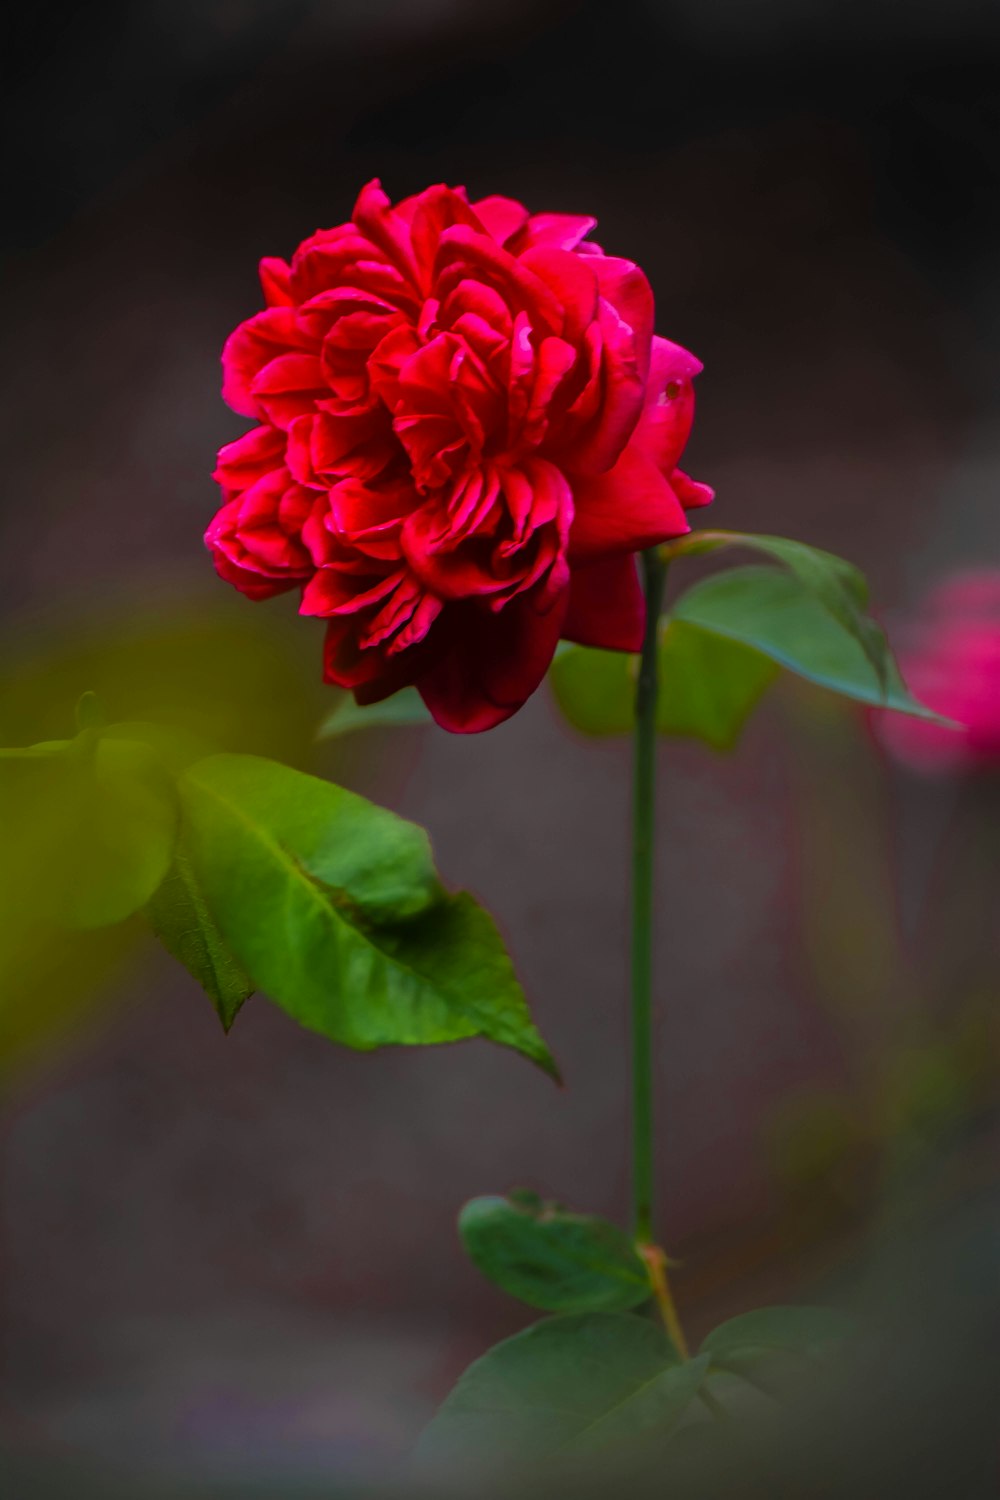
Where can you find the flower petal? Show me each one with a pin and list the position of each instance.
(242, 462)
(490, 664)
(434, 211)
(378, 220)
(626, 288)
(250, 348)
(606, 606)
(620, 392)
(346, 665)
(500, 217)
(572, 279)
(629, 508)
(562, 231)
(689, 492)
(274, 279)
(463, 253)
(330, 592)
(252, 585)
(289, 387)
(666, 419)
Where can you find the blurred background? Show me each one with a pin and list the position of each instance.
(229, 1255)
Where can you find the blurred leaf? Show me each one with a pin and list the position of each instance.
(568, 1385)
(926, 1090)
(552, 1259)
(744, 1342)
(180, 917)
(90, 712)
(838, 585)
(781, 617)
(89, 828)
(709, 685)
(402, 709)
(54, 984)
(175, 749)
(234, 677)
(595, 689)
(814, 1135)
(333, 908)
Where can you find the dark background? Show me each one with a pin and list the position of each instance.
(227, 1252)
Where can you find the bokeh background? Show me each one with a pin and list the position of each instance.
(236, 1254)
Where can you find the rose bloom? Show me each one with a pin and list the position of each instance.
(953, 665)
(466, 429)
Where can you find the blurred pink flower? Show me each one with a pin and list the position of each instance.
(952, 663)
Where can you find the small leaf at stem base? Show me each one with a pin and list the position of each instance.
(550, 1258)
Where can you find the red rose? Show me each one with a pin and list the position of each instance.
(467, 429)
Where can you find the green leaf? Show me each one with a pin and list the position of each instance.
(595, 690)
(569, 1385)
(332, 905)
(779, 616)
(175, 749)
(89, 830)
(179, 915)
(318, 837)
(771, 1348)
(838, 585)
(402, 709)
(708, 686)
(726, 637)
(809, 1332)
(552, 1259)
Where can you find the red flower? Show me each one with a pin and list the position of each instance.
(467, 429)
(952, 665)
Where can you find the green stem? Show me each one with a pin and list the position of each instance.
(643, 840)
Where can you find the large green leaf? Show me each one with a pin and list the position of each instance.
(333, 908)
(708, 686)
(766, 1348)
(778, 615)
(89, 827)
(552, 1259)
(569, 1385)
(806, 1331)
(401, 710)
(179, 915)
(838, 585)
